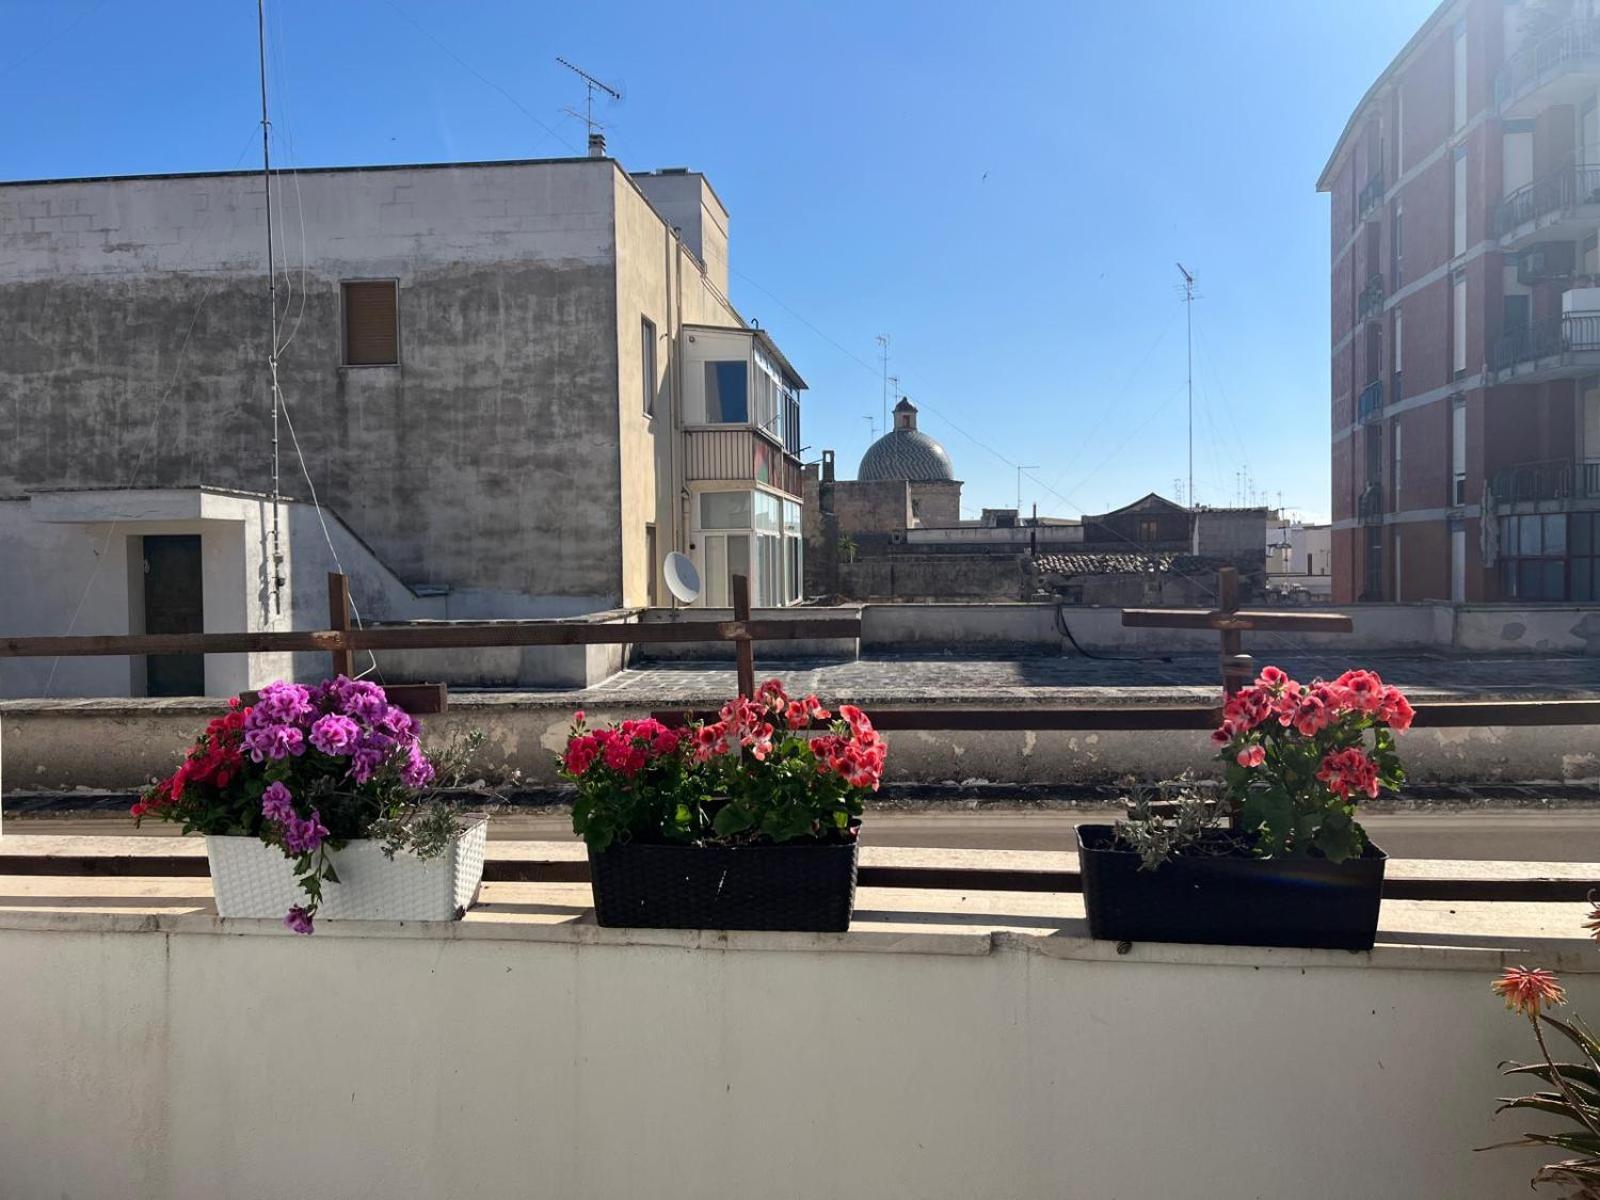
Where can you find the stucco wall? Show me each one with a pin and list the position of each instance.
(487, 460)
(429, 1061)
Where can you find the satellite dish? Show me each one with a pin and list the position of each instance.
(683, 578)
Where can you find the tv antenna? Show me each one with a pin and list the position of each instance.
(883, 349)
(1188, 320)
(591, 85)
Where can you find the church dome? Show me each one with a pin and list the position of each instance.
(905, 452)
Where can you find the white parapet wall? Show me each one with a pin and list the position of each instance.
(153, 1057)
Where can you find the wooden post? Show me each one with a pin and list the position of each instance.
(1237, 667)
(744, 649)
(344, 658)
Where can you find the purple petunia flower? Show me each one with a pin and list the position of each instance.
(299, 920)
(280, 704)
(277, 804)
(274, 742)
(417, 772)
(372, 752)
(303, 836)
(335, 734)
(396, 721)
(357, 698)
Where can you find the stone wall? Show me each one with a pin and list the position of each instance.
(934, 576)
(132, 316)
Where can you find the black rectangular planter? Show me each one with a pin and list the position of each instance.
(797, 887)
(1230, 900)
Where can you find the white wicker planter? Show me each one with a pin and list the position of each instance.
(251, 879)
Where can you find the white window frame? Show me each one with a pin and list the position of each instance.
(1459, 76)
(1458, 236)
(1458, 451)
(1458, 322)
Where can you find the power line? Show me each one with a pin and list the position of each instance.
(481, 77)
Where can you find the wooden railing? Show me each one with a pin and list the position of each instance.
(341, 641)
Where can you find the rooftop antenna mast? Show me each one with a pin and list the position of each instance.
(272, 294)
(597, 139)
(883, 350)
(1188, 320)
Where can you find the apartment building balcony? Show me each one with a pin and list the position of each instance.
(1565, 204)
(1369, 405)
(740, 455)
(1556, 348)
(1555, 68)
(1543, 482)
(1369, 506)
(1369, 304)
(1370, 197)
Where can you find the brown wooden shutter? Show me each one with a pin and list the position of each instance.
(371, 326)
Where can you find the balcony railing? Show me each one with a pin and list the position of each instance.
(1370, 196)
(1370, 505)
(1573, 186)
(740, 455)
(1575, 44)
(1553, 480)
(1553, 338)
(1370, 302)
(1370, 403)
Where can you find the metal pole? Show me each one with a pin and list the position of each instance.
(272, 295)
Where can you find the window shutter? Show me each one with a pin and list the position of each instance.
(371, 333)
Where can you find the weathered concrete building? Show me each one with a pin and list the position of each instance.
(515, 386)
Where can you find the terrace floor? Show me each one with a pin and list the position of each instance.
(1075, 678)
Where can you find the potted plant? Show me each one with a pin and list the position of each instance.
(326, 785)
(1292, 866)
(1574, 1092)
(748, 822)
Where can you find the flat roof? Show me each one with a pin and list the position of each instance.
(480, 164)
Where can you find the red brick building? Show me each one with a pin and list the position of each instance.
(1466, 312)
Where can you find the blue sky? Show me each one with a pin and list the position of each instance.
(1003, 189)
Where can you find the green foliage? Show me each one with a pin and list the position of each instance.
(1576, 1099)
(1166, 821)
(771, 771)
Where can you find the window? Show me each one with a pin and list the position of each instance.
(725, 510)
(371, 323)
(1514, 314)
(1149, 529)
(1399, 133)
(1583, 568)
(1458, 244)
(1394, 439)
(1458, 323)
(651, 566)
(1399, 542)
(1458, 452)
(1397, 245)
(1460, 75)
(1590, 390)
(647, 364)
(727, 393)
(1533, 556)
(1399, 356)
(1374, 590)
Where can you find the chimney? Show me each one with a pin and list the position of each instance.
(827, 466)
(597, 144)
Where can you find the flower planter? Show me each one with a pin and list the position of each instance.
(252, 879)
(1230, 899)
(790, 887)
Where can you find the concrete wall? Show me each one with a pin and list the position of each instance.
(834, 648)
(941, 576)
(158, 1058)
(131, 317)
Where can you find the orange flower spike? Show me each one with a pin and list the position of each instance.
(1528, 991)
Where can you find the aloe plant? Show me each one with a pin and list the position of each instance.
(1576, 1099)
